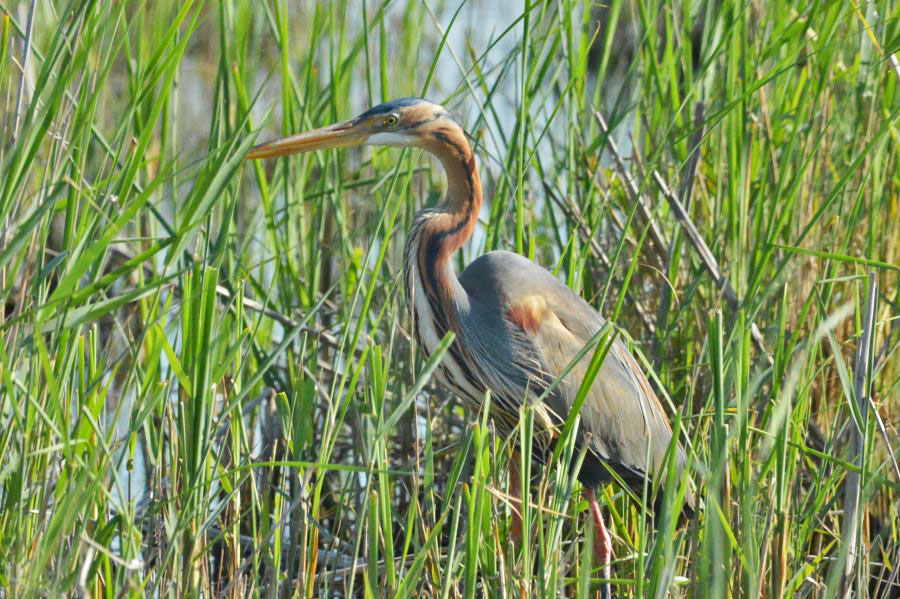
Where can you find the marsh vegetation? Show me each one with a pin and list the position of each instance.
(207, 386)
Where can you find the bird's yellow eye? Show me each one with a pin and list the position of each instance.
(390, 120)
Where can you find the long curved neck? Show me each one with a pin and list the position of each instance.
(439, 232)
(455, 218)
(434, 293)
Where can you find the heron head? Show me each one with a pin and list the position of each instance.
(403, 122)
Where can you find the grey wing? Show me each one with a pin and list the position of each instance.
(539, 326)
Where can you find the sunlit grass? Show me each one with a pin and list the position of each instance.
(207, 385)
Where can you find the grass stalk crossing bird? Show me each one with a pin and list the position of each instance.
(517, 327)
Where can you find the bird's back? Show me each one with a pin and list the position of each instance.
(527, 327)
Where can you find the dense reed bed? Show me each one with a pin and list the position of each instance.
(207, 384)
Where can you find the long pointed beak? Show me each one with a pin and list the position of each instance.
(340, 135)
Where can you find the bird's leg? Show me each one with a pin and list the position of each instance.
(515, 490)
(602, 542)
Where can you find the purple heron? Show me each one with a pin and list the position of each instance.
(517, 327)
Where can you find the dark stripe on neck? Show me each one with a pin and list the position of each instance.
(443, 311)
(461, 153)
